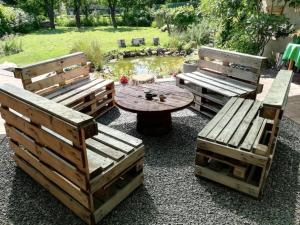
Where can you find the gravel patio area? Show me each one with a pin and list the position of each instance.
(171, 193)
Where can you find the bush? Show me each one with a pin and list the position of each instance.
(10, 45)
(137, 17)
(16, 20)
(183, 16)
(201, 33)
(177, 41)
(92, 51)
(93, 20)
(180, 17)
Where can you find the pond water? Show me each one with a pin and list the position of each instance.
(160, 66)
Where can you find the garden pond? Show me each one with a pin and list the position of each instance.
(160, 66)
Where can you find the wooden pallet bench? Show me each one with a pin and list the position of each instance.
(236, 147)
(67, 80)
(221, 75)
(89, 167)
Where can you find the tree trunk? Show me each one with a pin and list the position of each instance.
(77, 12)
(50, 12)
(112, 9)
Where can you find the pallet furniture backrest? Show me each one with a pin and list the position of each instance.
(51, 132)
(275, 102)
(243, 67)
(47, 76)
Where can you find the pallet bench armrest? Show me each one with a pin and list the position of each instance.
(277, 96)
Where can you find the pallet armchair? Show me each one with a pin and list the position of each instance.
(236, 148)
(89, 167)
(67, 80)
(220, 76)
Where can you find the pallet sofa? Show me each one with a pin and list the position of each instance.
(89, 167)
(67, 80)
(220, 76)
(236, 148)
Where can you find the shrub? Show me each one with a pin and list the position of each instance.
(177, 41)
(137, 17)
(183, 16)
(201, 33)
(180, 17)
(10, 45)
(15, 20)
(92, 51)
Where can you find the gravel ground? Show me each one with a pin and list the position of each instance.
(171, 193)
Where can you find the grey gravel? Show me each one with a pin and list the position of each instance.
(171, 193)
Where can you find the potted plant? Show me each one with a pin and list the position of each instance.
(190, 65)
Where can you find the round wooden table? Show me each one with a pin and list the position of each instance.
(153, 116)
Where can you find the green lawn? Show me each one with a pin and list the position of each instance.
(45, 44)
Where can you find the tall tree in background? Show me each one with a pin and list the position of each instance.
(37, 8)
(77, 5)
(49, 6)
(112, 4)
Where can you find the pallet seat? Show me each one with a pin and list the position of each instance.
(237, 146)
(67, 80)
(220, 76)
(89, 167)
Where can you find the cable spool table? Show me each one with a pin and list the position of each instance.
(153, 116)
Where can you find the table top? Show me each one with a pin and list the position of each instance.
(292, 51)
(132, 98)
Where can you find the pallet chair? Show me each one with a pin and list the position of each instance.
(67, 80)
(89, 167)
(236, 148)
(221, 75)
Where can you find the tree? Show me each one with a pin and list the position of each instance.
(49, 6)
(77, 4)
(112, 5)
(37, 8)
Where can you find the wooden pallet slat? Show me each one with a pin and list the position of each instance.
(77, 208)
(207, 129)
(231, 127)
(55, 177)
(44, 138)
(97, 163)
(105, 150)
(215, 82)
(76, 90)
(49, 157)
(253, 132)
(232, 72)
(227, 80)
(277, 93)
(85, 92)
(243, 126)
(119, 135)
(50, 65)
(227, 117)
(56, 79)
(114, 143)
(230, 56)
